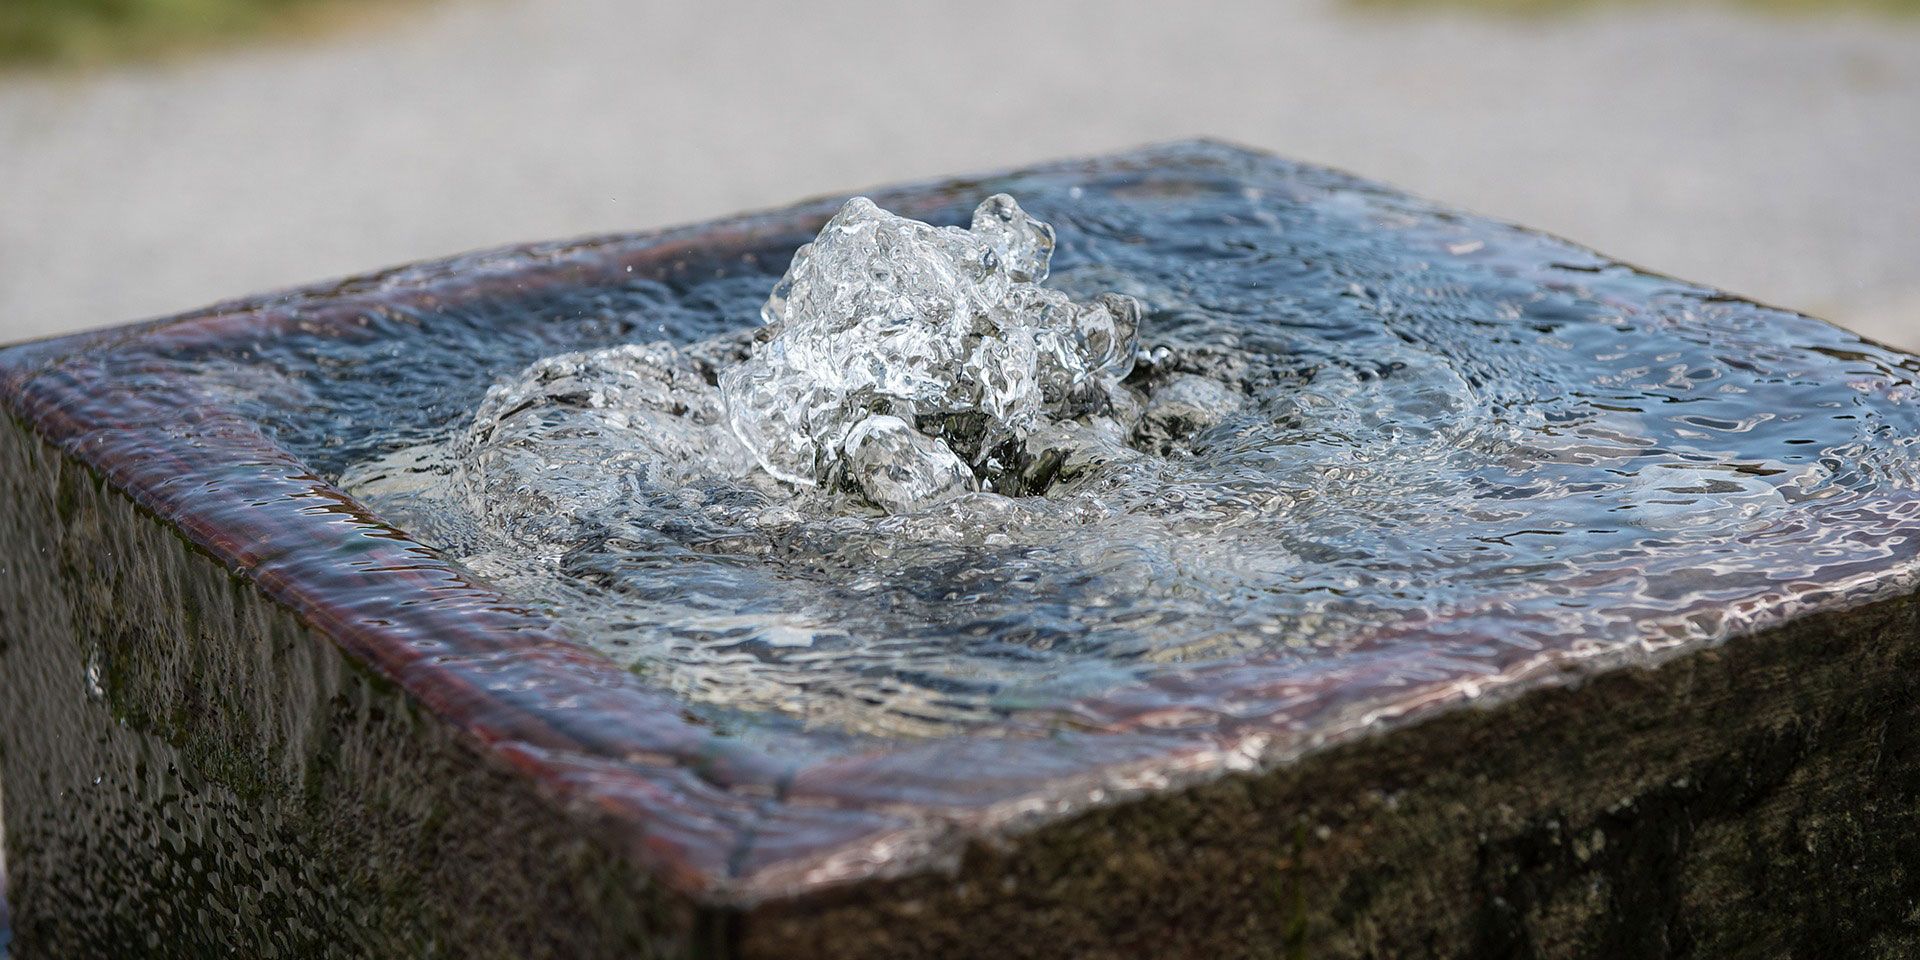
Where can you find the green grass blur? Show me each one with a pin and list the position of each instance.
(82, 32)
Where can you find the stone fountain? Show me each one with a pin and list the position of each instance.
(1255, 561)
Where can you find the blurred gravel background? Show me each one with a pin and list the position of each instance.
(1773, 156)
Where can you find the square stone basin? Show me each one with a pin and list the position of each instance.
(241, 710)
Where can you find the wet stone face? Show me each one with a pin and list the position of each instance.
(960, 475)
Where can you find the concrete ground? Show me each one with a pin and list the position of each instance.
(1771, 156)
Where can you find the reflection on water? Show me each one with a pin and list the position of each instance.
(1354, 422)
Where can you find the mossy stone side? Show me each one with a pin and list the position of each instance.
(190, 771)
(1757, 799)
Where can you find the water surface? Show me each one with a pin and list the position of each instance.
(1364, 424)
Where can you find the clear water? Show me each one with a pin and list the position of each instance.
(907, 358)
(940, 488)
(1379, 445)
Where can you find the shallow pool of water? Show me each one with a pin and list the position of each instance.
(1362, 424)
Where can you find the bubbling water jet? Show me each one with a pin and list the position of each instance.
(929, 492)
(911, 362)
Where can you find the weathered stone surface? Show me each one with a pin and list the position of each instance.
(219, 773)
(239, 711)
(1758, 799)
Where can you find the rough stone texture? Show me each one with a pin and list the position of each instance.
(232, 779)
(1759, 799)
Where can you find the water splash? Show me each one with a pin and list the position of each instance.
(645, 416)
(910, 359)
(1341, 418)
